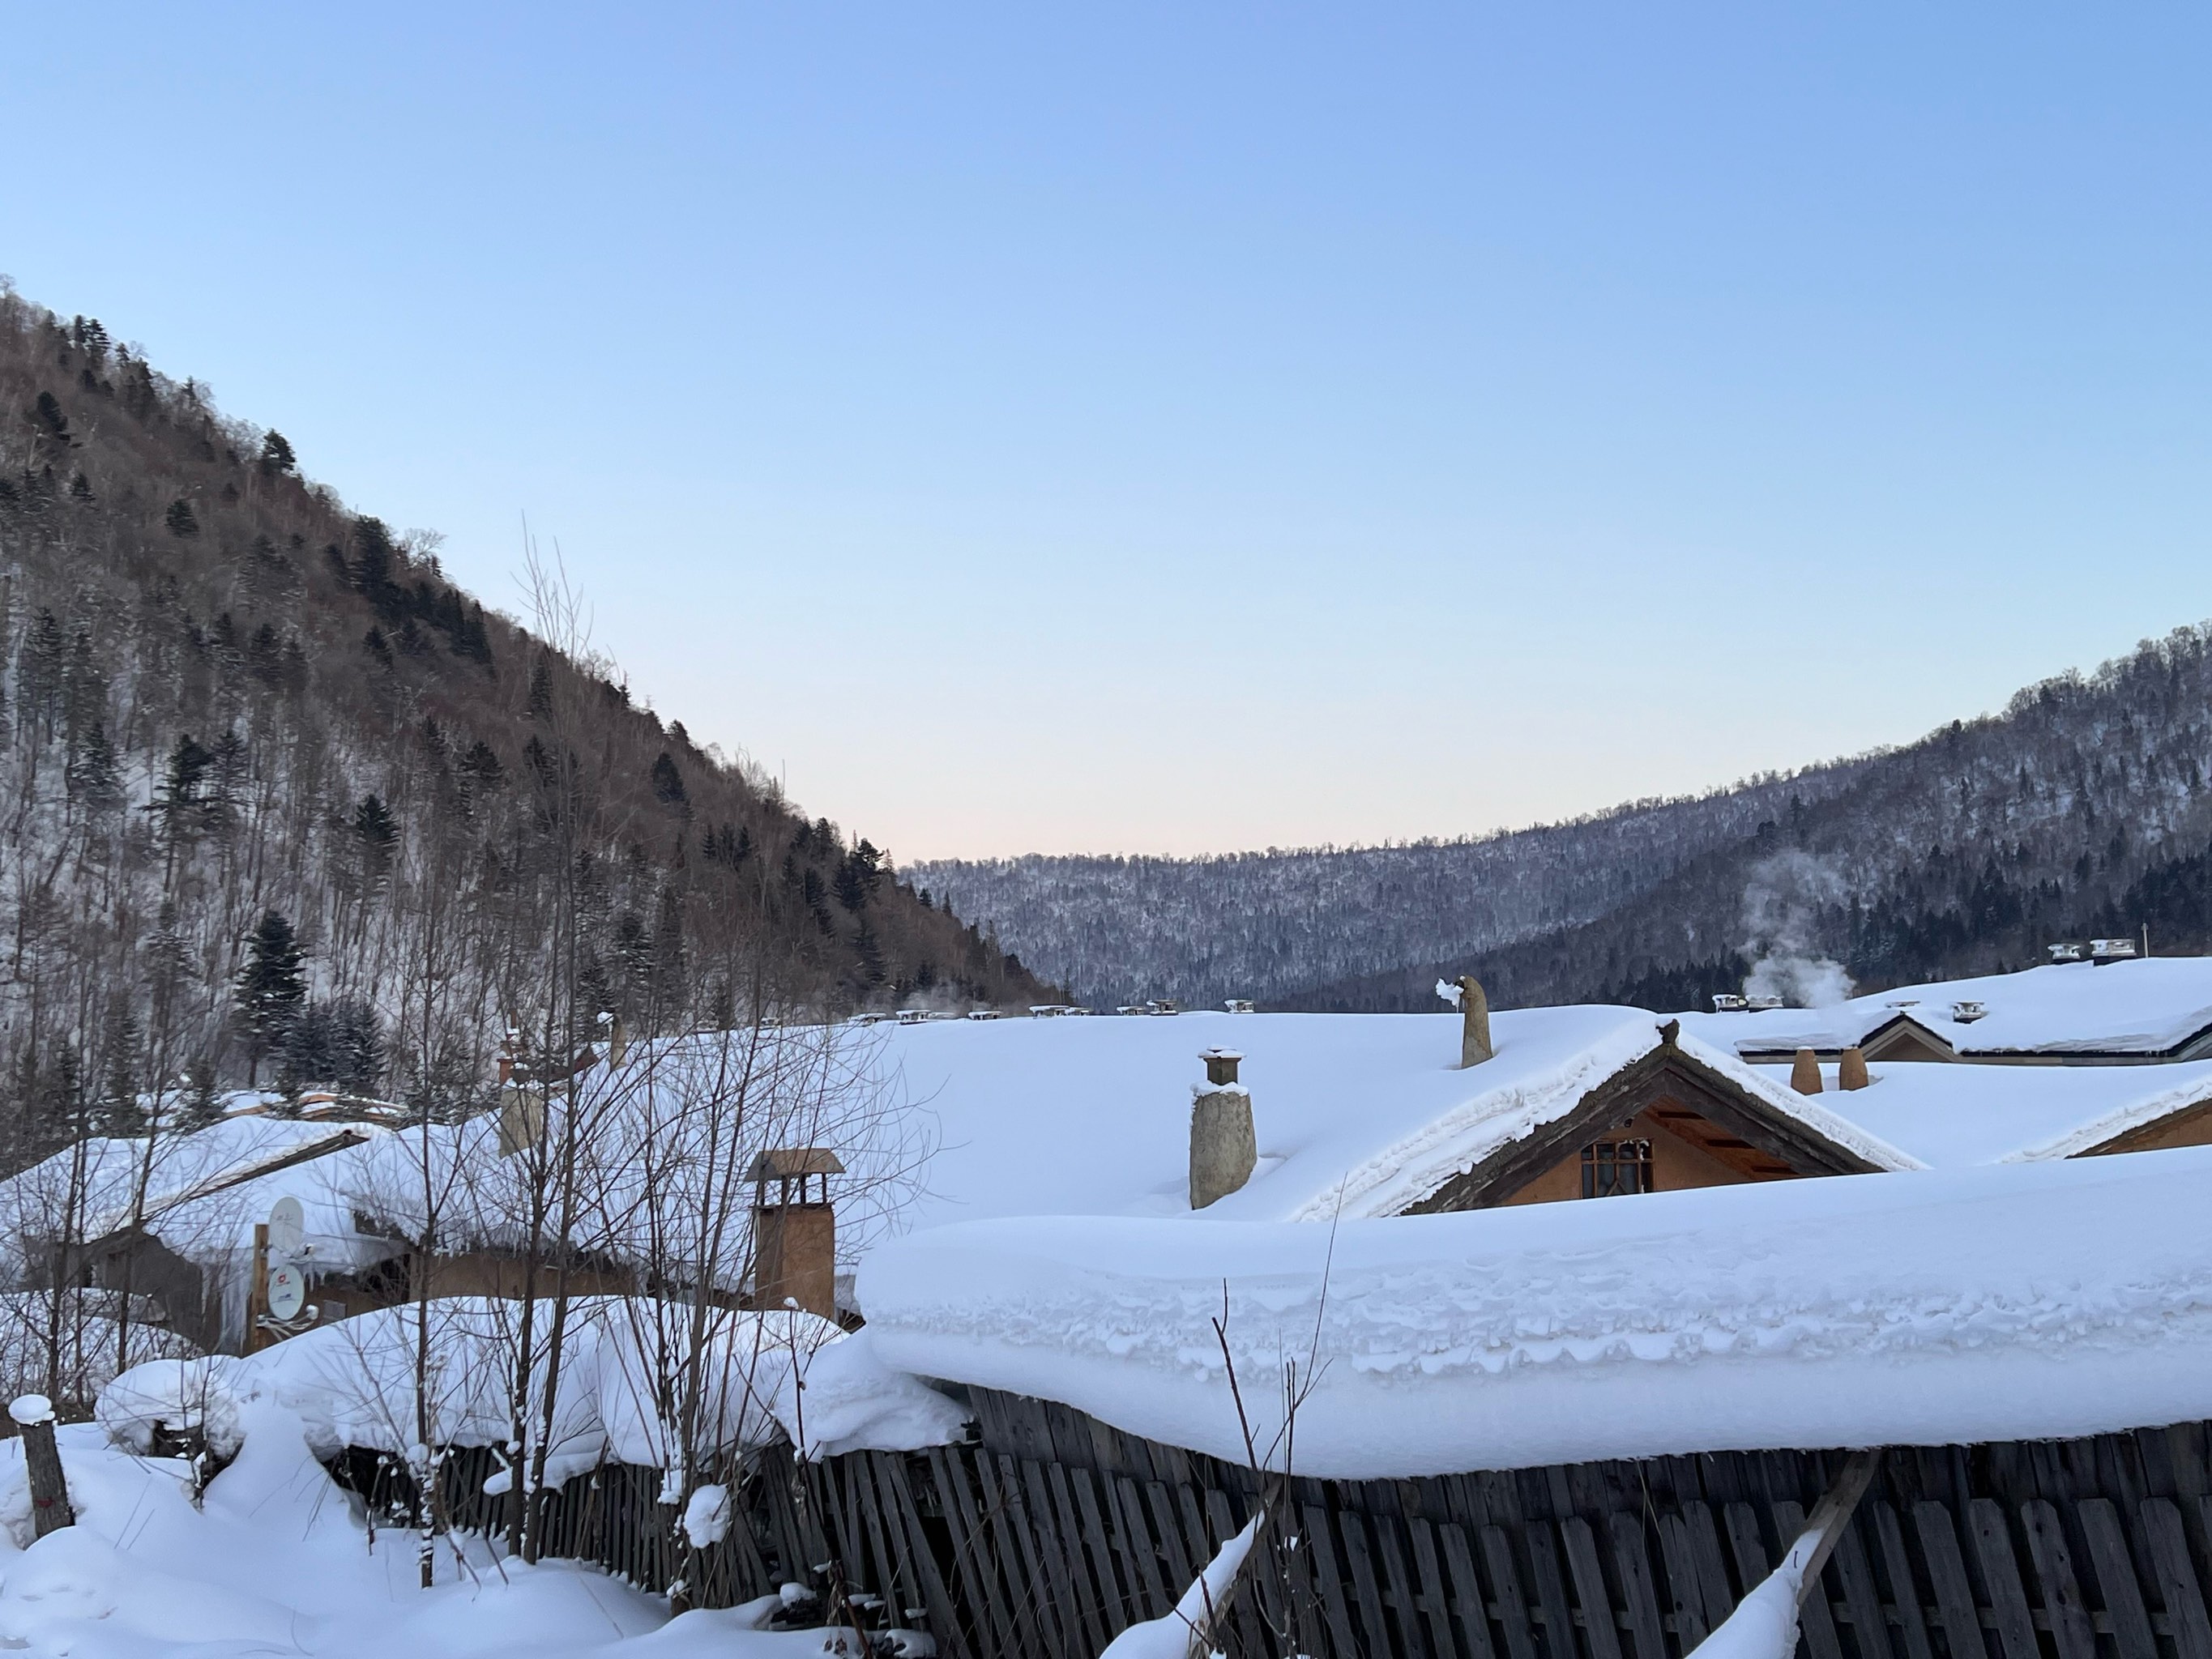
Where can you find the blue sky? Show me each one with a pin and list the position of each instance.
(1172, 428)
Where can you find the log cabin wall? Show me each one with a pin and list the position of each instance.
(1055, 1531)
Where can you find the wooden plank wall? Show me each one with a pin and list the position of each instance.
(1053, 1531)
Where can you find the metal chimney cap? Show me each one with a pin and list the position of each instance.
(1219, 1054)
(790, 1163)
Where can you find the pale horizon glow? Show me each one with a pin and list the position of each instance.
(1154, 430)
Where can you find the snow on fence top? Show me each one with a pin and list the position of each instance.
(2148, 1007)
(357, 1383)
(2006, 1302)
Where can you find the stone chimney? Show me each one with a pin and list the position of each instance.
(1805, 1072)
(521, 1118)
(1850, 1071)
(794, 1237)
(1223, 1149)
(1474, 1022)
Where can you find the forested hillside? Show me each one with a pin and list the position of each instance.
(278, 802)
(2081, 809)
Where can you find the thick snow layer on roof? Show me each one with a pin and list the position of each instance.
(1369, 1112)
(2144, 1006)
(199, 1194)
(1092, 1117)
(2010, 1301)
(355, 1383)
(1948, 1116)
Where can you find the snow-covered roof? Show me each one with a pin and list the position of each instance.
(202, 1193)
(2142, 1008)
(1949, 1115)
(2011, 1301)
(1371, 1112)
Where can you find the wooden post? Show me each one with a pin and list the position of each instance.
(42, 1462)
(257, 1289)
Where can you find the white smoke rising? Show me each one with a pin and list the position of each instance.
(1778, 908)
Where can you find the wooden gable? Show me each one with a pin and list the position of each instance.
(1707, 1130)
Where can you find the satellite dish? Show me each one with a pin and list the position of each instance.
(288, 1227)
(288, 1292)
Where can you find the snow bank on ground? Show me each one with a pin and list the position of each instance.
(2018, 1301)
(276, 1563)
(355, 1383)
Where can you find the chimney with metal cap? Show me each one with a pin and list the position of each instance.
(1223, 1148)
(794, 1238)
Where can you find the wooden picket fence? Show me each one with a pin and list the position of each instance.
(1053, 1531)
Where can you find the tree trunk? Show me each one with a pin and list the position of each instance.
(42, 1460)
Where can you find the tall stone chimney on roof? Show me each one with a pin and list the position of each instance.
(1805, 1072)
(1474, 1022)
(1223, 1148)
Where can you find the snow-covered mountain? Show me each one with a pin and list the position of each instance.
(2081, 807)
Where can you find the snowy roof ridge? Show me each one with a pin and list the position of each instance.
(1513, 1106)
(2116, 1123)
(1808, 1110)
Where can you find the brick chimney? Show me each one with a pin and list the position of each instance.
(1474, 1022)
(1223, 1150)
(794, 1237)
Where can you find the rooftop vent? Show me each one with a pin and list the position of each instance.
(1727, 1002)
(2065, 951)
(1238, 1004)
(1966, 1013)
(2102, 951)
(1163, 1006)
(1762, 1005)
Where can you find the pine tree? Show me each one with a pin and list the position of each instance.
(271, 989)
(541, 689)
(204, 1105)
(670, 977)
(122, 1044)
(276, 455)
(667, 781)
(376, 834)
(355, 1045)
(49, 423)
(180, 519)
(850, 882)
(92, 774)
